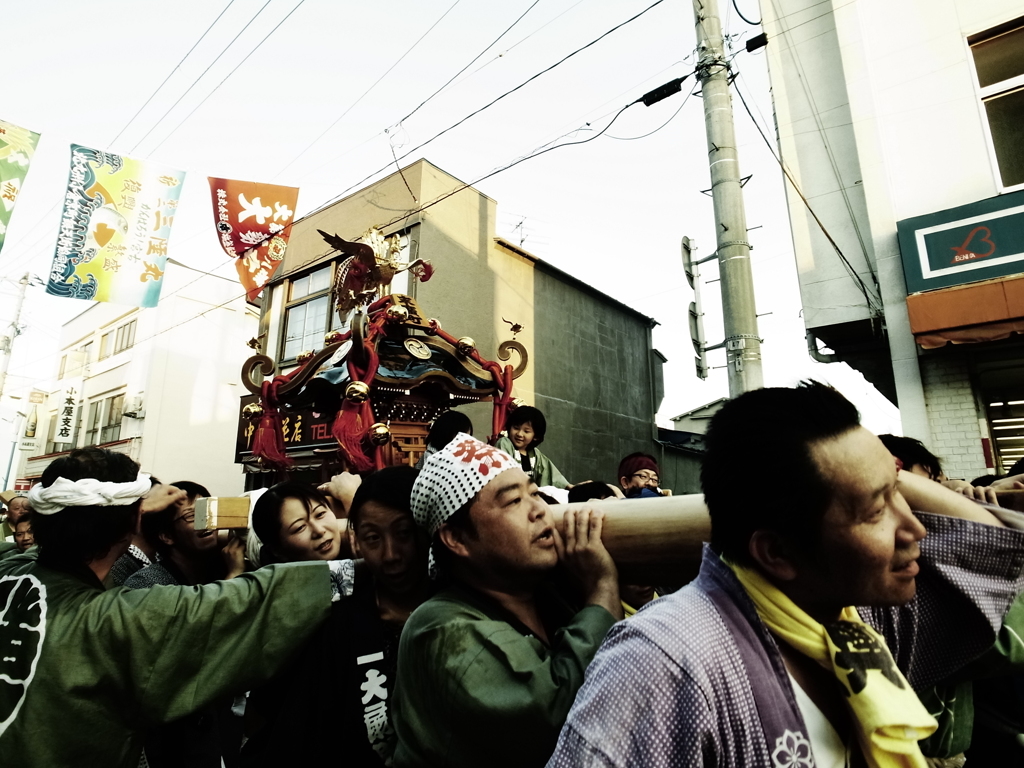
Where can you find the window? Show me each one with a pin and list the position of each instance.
(63, 366)
(104, 346)
(86, 350)
(104, 421)
(308, 315)
(51, 432)
(124, 338)
(999, 63)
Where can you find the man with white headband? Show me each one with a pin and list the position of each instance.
(489, 666)
(85, 672)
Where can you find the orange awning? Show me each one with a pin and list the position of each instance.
(968, 314)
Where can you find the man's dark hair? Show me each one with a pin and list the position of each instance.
(910, 452)
(591, 489)
(83, 534)
(758, 472)
(527, 413)
(266, 514)
(443, 557)
(446, 427)
(390, 487)
(155, 523)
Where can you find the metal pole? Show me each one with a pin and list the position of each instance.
(7, 342)
(14, 447)
(742, 342)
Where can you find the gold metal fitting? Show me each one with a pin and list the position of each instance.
(466, 346)
(304, 356)
(357, 392)
(396, 313)
(333, 337)
(379, 434)
(253, 411)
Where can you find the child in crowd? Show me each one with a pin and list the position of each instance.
(525, 428)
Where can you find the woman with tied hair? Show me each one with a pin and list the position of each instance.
(341, 682)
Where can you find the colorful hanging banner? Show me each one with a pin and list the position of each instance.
(17, 145)
(253, 223)
(114, 230)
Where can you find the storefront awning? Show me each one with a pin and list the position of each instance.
(968, 314)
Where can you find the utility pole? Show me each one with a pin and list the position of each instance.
(742, 342)
(7, 342)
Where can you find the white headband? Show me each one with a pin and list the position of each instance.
(87, 492)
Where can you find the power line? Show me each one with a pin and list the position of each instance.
(680, 109)
(176, 67)
(868, 297)
(353, 104)
(234, 69)
(194, 82)
(740, 14)
(486, 106)
(471, 63)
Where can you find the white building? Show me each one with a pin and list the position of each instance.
(159, 384)
(902, 124)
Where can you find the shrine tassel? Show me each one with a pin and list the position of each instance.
(268, 442)
(354, 419)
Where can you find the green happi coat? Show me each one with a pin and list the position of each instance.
(84, 672)
(475, 688)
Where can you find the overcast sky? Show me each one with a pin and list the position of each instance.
(318, 105)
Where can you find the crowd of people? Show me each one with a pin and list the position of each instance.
(854, 607)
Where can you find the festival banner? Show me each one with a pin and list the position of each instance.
(253, 223)
(114, 230)
(17, 145)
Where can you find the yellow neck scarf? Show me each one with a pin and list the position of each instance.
(888, 716)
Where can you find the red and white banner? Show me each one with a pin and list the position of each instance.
(253, 223)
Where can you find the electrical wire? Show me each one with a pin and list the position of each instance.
(486, 106)
(471, 63)
(740, 14)
(872, 302)
(201, 76)
(680, 109)
(234, 69)
(176, 67)
(353, 104)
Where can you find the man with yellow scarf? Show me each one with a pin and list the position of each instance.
(764, 660)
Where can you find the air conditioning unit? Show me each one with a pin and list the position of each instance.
(133, 408)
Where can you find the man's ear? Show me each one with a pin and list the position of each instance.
(773, 555)
(452, 538)
(623, 482)
(352, 543)
(165, 539)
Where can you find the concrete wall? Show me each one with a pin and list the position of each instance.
(592, 368)
(953, 415)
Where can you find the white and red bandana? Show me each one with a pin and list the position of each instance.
(453, 476)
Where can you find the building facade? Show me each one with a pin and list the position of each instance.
(592, 368)
(160, 384)
(902, 127)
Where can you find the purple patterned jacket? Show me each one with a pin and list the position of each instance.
(695, 678)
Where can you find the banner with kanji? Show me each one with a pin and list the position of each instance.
(253, 223)
(114, 229)
(17, 145)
